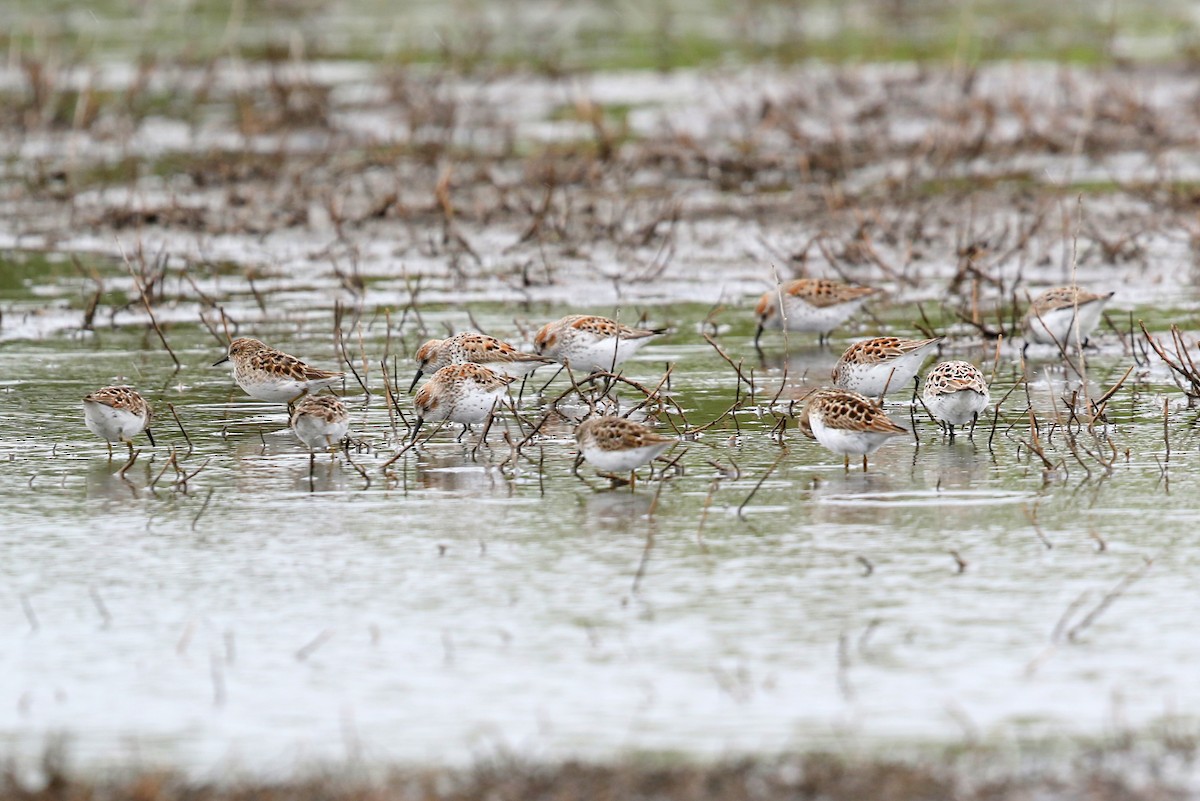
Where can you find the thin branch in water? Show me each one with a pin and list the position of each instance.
(1031, 514)
(182, 430)
(146, 303)
(203, 507)
(1109, 598)
(783, 452)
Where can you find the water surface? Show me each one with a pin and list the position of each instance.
(265, 618)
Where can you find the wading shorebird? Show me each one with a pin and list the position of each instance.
(590, 344)
(810, 305)
(320, 422)
(618, 445)
(471, 348)
(117, 414)
(955, 393)
(847, 423)
(460, 393)
(1064, 316)
(880, 366)
(273, 376)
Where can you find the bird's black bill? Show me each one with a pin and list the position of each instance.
(416, 378)
(220, 361)
(417, 428)
(757, 334)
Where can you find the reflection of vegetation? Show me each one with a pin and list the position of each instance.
(661, 34)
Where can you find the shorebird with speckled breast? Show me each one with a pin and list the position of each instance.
(955, 393)
(847, 423)
(460, 393)
(880, 366)
(810, 305)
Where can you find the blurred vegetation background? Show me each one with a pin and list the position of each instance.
(557, 36)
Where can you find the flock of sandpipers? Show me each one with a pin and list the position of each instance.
(470, 374)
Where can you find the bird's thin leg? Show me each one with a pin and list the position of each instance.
(951, 427)
(846, 463)
(974, 420)
(864, 463)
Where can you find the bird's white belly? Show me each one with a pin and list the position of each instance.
(1059, 326)
(114, 425)
(621, 461)
(603, 356)
(317, 433)
(871, 380)
(847, 442)
(957, 408)
(806, 318)
(467, 409)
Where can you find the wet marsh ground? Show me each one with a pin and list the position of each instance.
(218, 606)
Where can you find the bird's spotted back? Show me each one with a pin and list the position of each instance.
(122, 398)
(281, 364)
(617, 434)
(882, 349)
(821, 292)
(1063, 297)
(325, 407)
(848, 411)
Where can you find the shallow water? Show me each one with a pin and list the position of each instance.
(264, 617)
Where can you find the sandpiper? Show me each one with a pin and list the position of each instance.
(320, 421)
(847, 423)
(117, 414)
(616, 444)
(472, 348)
(460, 393)
(1064, 316)
(590, 344)
(876, 367)
(810, 305)
(955, 392)
(271, 375)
